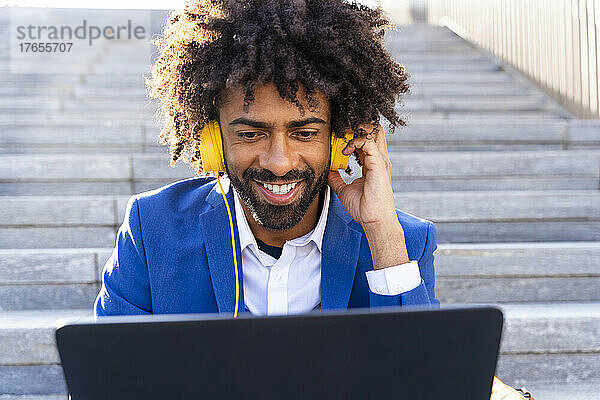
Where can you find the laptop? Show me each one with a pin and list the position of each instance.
(364, 354)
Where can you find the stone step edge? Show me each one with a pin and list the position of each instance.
(42, 319)
(95, 259)
(573, 319)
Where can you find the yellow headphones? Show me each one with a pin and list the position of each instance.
(211, 149)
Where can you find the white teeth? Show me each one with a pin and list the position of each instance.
(280, 189)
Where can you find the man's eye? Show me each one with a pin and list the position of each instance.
(248, 135)
(306, 134)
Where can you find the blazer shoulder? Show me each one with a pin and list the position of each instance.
(412, 222)
(178, 196)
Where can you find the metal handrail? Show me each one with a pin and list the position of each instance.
(555, 43)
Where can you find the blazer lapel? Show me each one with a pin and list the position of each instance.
(341, 246)
(217, 233)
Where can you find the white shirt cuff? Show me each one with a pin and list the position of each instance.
(395, 280)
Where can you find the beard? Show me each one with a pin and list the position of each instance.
(277, 217)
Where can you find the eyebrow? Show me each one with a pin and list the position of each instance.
(301, 122)
(250, 122)
(292, 124)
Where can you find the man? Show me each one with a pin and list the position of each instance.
(279, 77)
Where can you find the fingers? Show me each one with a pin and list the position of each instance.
(335, 182)
(377, 136)
(366, 143)
(381, 141)
(371, 149)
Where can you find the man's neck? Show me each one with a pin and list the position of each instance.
(278, 238)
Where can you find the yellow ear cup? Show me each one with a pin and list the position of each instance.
(211, 148)
(338, 160)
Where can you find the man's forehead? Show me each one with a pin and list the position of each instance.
(268, 102)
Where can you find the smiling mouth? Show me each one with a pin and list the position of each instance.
(278, 189)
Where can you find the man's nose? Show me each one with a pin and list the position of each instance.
(279, 157)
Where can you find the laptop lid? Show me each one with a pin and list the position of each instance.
(386, 353)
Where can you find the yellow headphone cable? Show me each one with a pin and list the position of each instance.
(237, 280)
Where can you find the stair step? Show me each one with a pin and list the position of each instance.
(543, 259)
(493, 183)
(12, 103)
(411, 171)
(480, 78)
(42, 266)
(538, 369)
(437, 206)
(416, 57)
(63, 278)
(48, 296)
(50, 278)
(28, 238)
(16, 78)
(450, 104)
(530, 216)
(508, 216)
(71, 134)
(517, 272)
(488, 164)
(440, 48)
(106, 167)
(29, 363)
(478, 118)
(116, 104)
(32, 380)
(502, 206)
(59, 211)
(76, 117)
(551, 328)
(447, 67)
(28, 336)
(584, 132)
(101, 91)
(471, 273)
(492, 131)
(450, 89)
(527, 290)
(545, 131)
(450, 133)
(146, 117)
(495, 170)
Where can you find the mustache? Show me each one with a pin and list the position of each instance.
(264, 175)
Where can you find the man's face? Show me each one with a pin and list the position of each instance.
(277, 159)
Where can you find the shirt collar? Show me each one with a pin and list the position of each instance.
(247, 237)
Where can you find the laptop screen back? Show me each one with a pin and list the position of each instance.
(434, 354)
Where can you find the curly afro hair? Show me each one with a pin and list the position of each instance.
(328, 45)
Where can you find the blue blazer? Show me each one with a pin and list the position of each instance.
(173, 255)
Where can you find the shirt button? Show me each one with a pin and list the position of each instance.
(398, 288)
(278, 277)
(378, 290)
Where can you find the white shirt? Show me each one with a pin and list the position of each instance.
(292, 283)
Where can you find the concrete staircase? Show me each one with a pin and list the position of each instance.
(511, 180)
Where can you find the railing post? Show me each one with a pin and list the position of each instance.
(418, 10)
